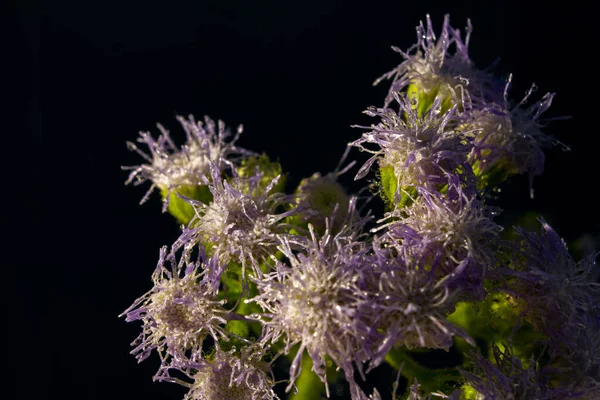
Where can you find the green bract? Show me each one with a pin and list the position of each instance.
(490, 176)
(181, 209)
(425, 95)
(388, 184)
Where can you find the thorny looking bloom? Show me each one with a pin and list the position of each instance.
(422, 150)
(506, 378)
(560, 297)
(170, 167)
(314, 301)
(453, 231)
(430, 70)
(240, 224)
(231, 376)
(179, 312)
(507, 139)
(584, 363)
(410, 303)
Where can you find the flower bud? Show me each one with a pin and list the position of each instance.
(321, 198)
(269, 170)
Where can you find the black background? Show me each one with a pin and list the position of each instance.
(85, 77)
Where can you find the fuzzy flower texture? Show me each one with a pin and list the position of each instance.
(276, 293)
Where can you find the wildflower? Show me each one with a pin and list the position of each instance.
(455, 231)
(557, 290)
(410, 304)
(559, 298)
(430, 70)
(507, 139)
(179, 312)
(321, 199)
(172, 168)
(506, 378)
(583, 364)
(313, 302)
(232, 376)
(241, 223)
(421, 151)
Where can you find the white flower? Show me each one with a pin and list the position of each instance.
(232, 377)
(313, 302)
(178, 313)
(241, 223)
(170, 167)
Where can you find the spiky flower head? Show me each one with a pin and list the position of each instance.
(507, 138)
(455, 231)
(542, 269)
(432, 69)
(559, 297)
(410, 303)
(506, 378)
(179, 312)
(583, 365)
(241, 223)
(232, 376)
(170, 167)
(313, 299)
(420, 150)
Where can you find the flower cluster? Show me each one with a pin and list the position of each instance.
(303, 284)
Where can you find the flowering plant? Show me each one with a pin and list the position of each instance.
(308, 289)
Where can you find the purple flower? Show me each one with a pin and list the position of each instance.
(179, 312)
(454, 232)
(422, 150)
(416, 393)
(409, 303)
(313, 302)
(560, 298)
(170, 167)
(507, 138)
(242, 222)
(231, 376)
(506, 378)
(322, 199)
(434, 70)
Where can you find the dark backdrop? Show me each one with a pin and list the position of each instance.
(85, 77)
